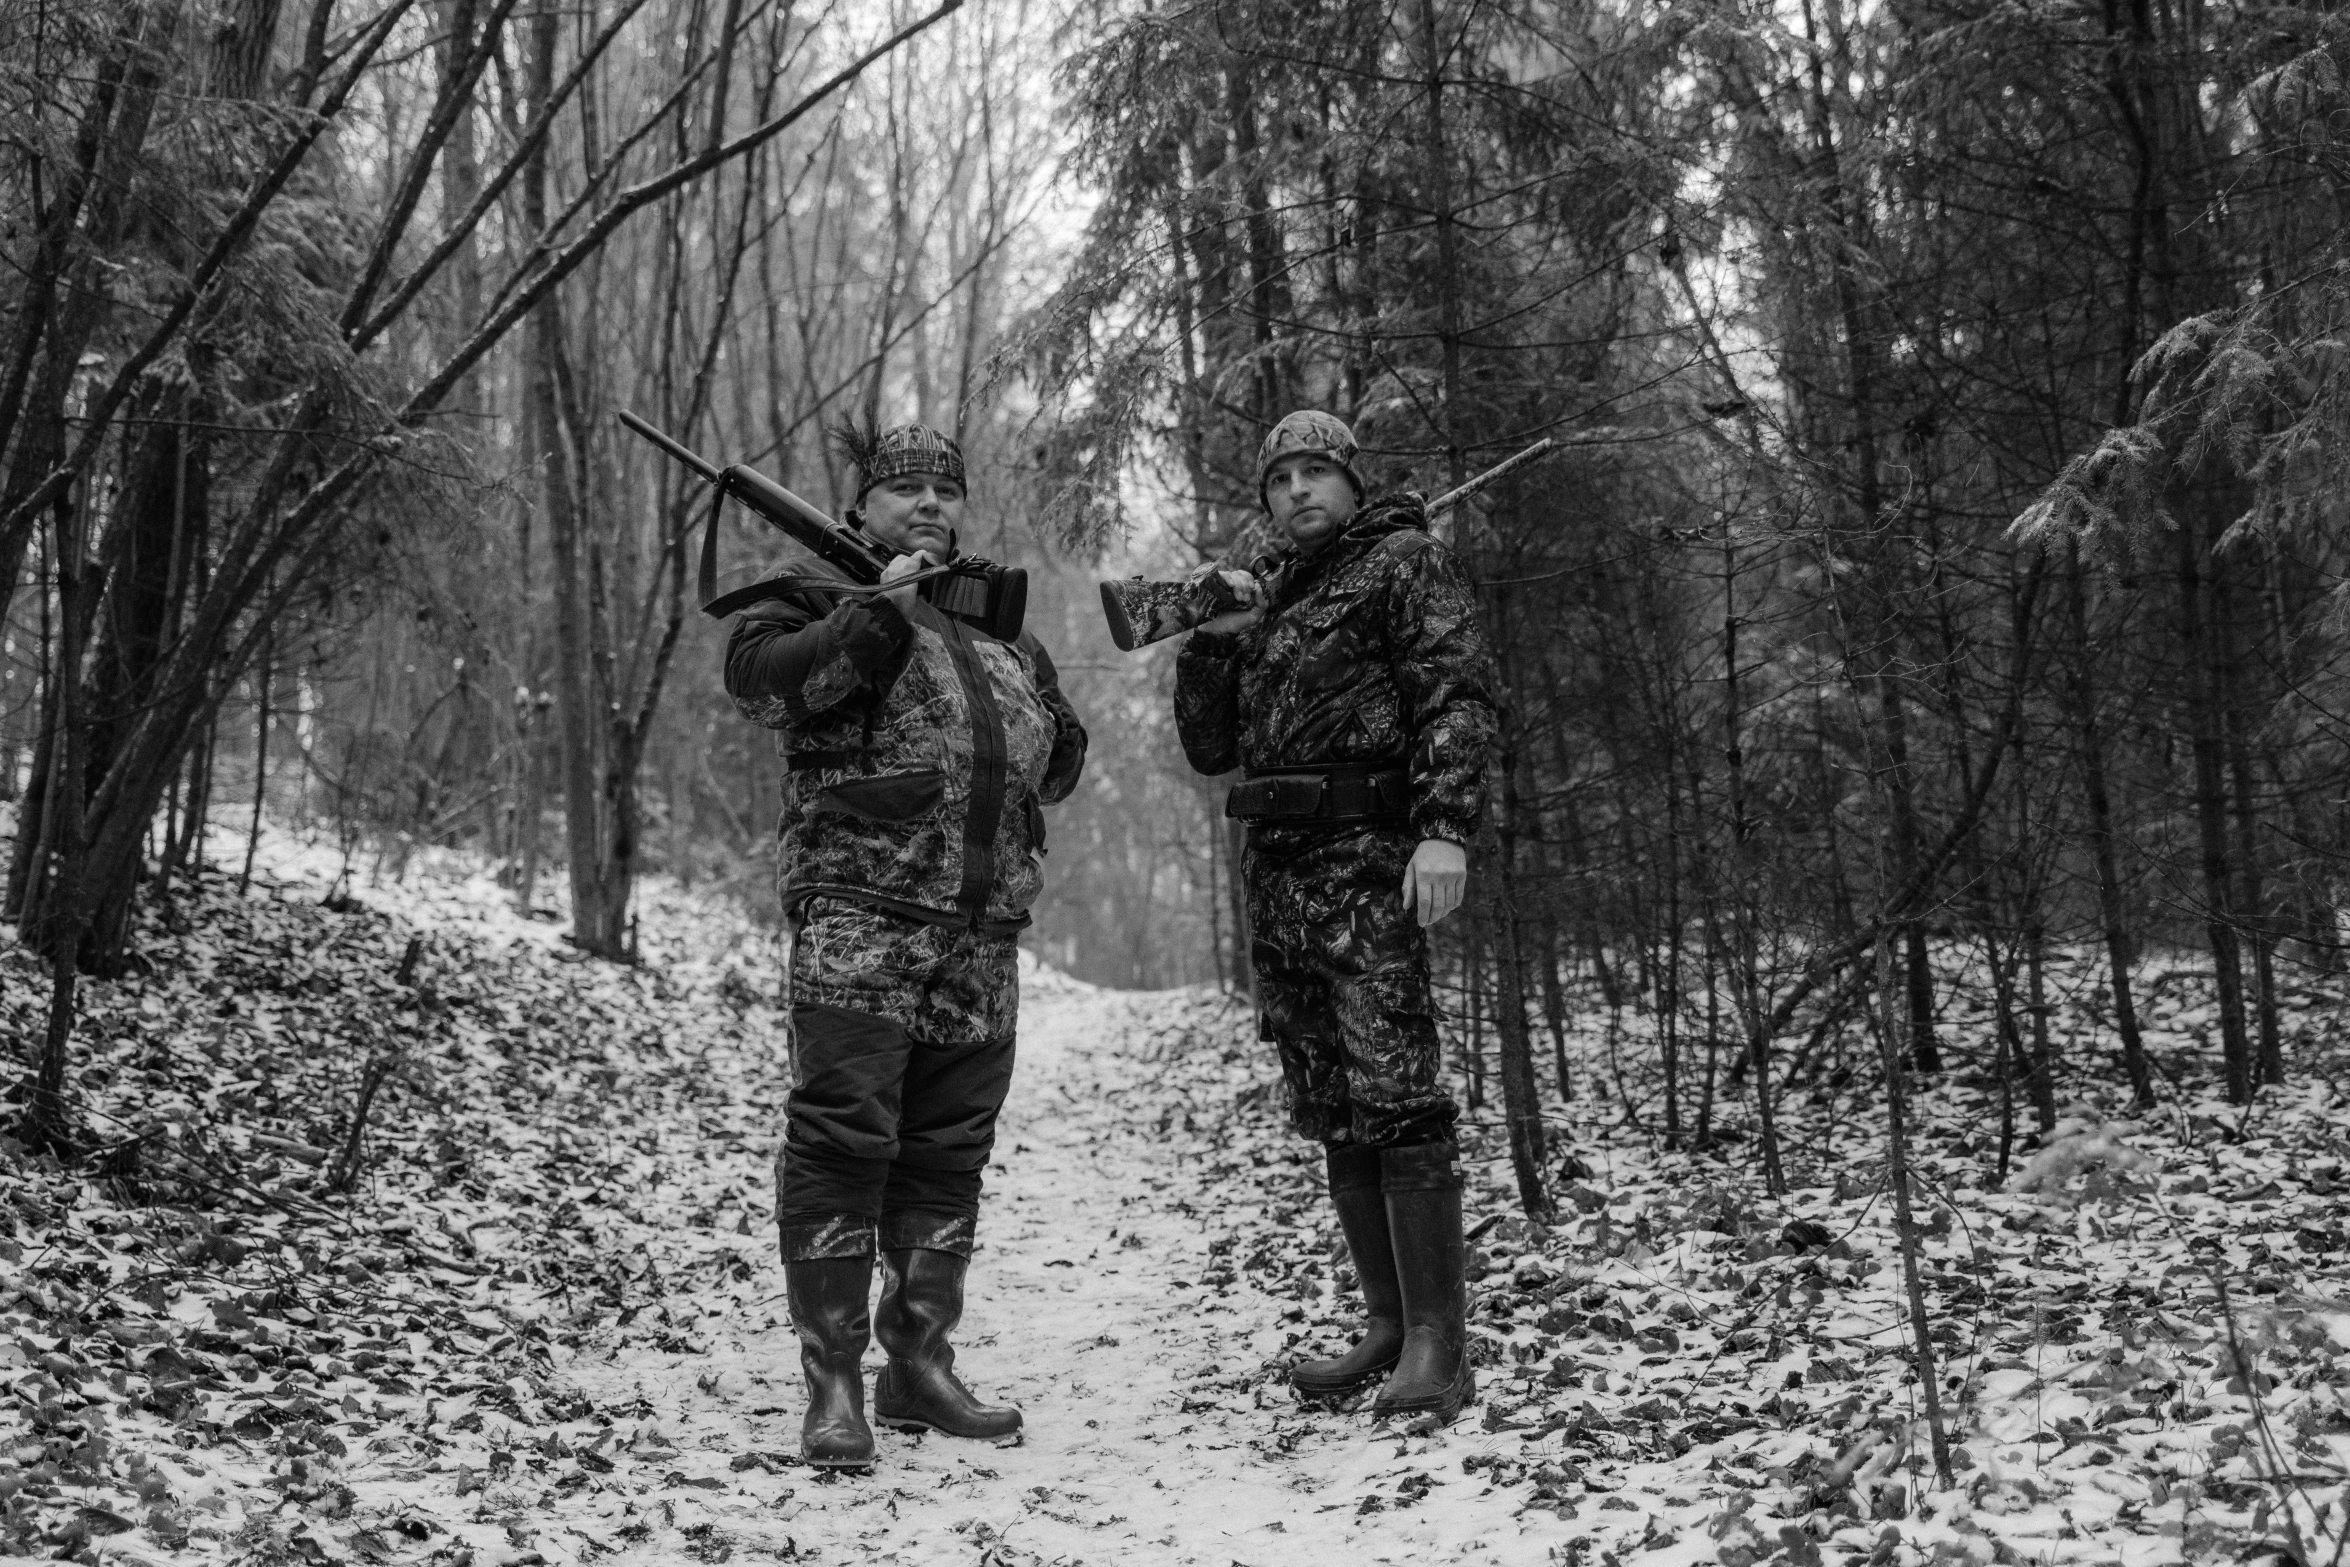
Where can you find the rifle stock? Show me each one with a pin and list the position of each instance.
(1142, 612)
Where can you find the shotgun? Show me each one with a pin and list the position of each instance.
(1142, 612)
(979, 592)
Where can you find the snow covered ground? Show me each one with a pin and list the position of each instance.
(1157, 1431)
(548, 1326)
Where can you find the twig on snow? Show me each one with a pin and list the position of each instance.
(380, 1066)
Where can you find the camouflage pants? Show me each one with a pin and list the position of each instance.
(901, 1058)
(1342, 986)
(942, 984)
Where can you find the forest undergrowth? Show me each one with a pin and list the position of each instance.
(212, 1356)
(2140, 1334)
(202, 1338)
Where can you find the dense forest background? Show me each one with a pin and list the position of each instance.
(1940, 575)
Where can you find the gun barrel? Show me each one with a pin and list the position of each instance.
(1141, 613)
(1451, 498)
(674, 448)
(836, 543)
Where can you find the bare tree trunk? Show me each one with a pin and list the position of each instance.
(2205, 728)
(1521, 1100)
(260, 762)
(2043, 1046)
(1473, 1037)
(1827, 65)
(1554, 1002)
(1917, 973)
(45, 1125)
(69, 291)
(596, 918)
(2111, 916)
(2252, 896)
(1438, 188)
(1897, 1173)
(533, 806)
(1668, 988)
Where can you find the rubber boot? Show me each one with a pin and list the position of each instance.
(1362, 1215)
(921, 1301)
(1432, 1375)
(828, 1309)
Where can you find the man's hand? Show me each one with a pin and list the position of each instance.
(1234, 621)
(1436, 880)
(905, 566)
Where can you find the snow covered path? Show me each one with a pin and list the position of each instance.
(1157, 1432)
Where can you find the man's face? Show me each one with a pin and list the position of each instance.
(1311, 498)
(914, 511)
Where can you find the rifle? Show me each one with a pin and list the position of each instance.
(979, 592)
(1141, 612)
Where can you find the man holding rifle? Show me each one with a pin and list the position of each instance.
(1355, 689)
(919, 751)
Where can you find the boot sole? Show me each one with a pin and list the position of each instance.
(1446, 1406)
(837, 1463)
(911, 1426)
(1339, 1387)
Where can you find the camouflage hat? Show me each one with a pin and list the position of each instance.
(906, 448)
(1308, 430)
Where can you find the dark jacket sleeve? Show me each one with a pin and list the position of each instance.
(1068, 758)
(791, 659)
(1444, 673)
(1207, 700)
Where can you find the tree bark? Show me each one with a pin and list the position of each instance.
(1521, 1099)
(2199, 681)
(68, 294)
(595, 916)
(59, 931)
(1897, 1173)
(2235, 655)
(1437, 185)
(2112, 917)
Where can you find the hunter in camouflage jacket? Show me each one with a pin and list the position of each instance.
(1370, 651)
(919, 752)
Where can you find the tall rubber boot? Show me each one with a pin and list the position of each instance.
(828, 1309)
(1362, 1215)
(921, 1301)
(1432, 1375)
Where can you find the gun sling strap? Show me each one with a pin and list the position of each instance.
(719, 605)
(1333, 792)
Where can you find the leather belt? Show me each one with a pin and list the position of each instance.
(1336, 792)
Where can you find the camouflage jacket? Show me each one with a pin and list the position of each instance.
(918, 754)
(1369, 651)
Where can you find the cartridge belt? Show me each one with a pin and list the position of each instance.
(1334, 792)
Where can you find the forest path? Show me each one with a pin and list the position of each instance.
(1157, 1429)
(550, 1328)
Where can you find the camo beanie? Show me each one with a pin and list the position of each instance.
(1308, 430)
(882, 455)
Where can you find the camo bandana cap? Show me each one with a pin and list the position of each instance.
(907, 448)
(1308, 430)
